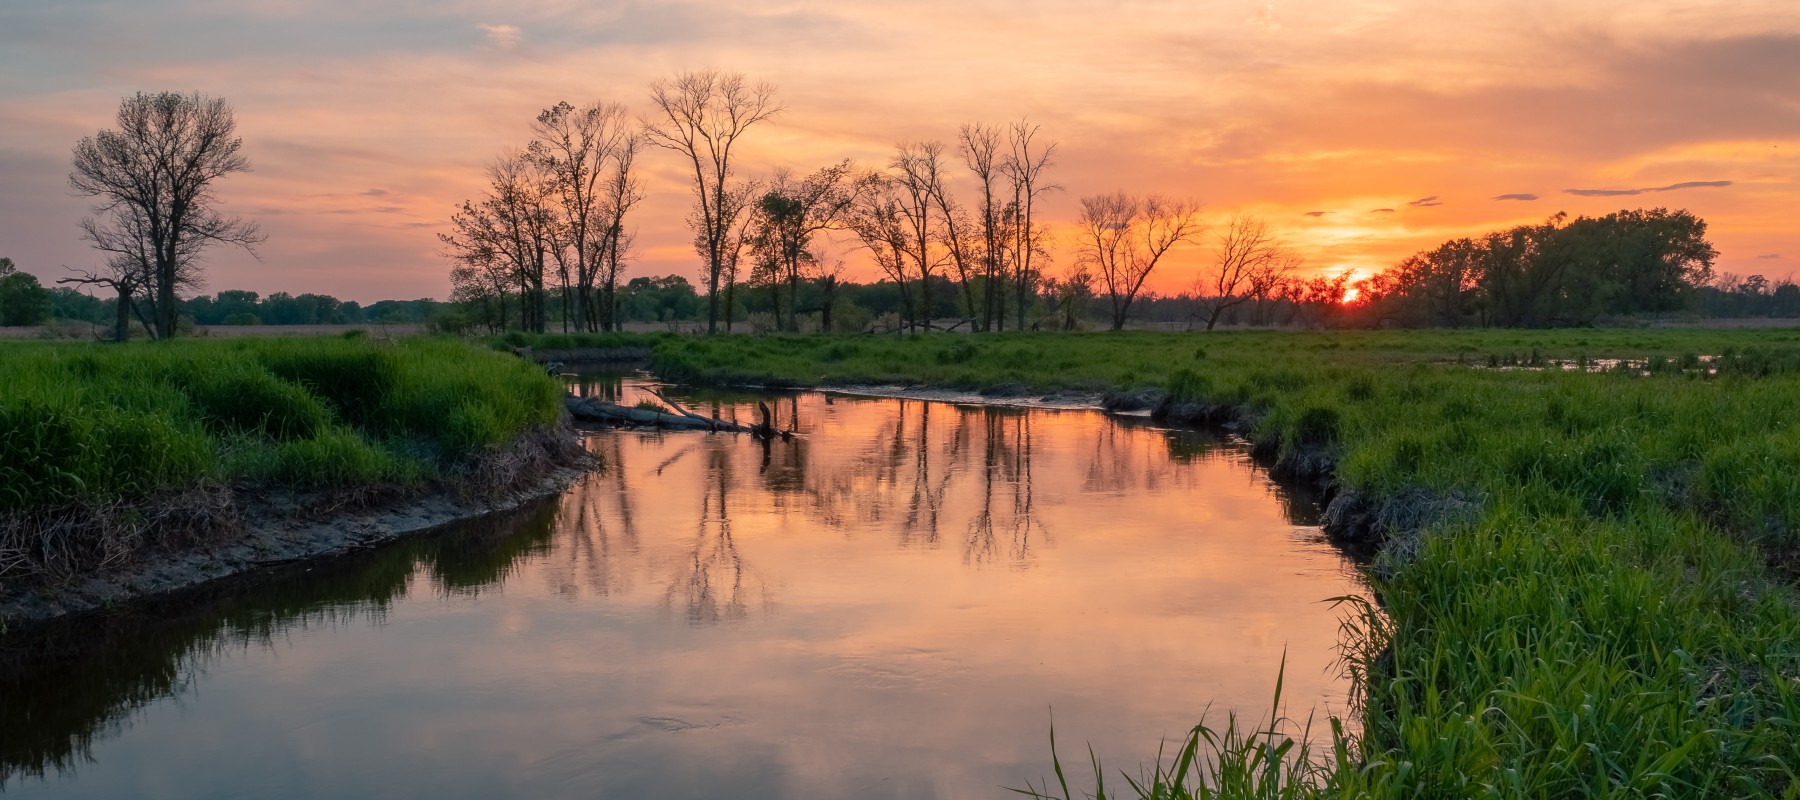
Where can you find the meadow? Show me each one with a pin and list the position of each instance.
(1588, 566)
(91, 433)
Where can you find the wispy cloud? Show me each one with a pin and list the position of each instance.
(1769, 257)
(1382, 211)
(1426, 202)
(1317, 213)
(1519, 196)
(1623, 192)
(505, 37)
(375, 193)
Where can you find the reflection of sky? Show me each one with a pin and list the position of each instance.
(679, 639)
(368, 123)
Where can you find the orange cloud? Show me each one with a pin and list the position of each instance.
(1278, 109)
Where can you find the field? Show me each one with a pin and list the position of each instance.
(99, 439)
(1589, 565)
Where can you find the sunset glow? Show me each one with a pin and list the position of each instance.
(1361, 131)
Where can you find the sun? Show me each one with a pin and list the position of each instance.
(1351, 294)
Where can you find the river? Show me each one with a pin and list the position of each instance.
(898, 602)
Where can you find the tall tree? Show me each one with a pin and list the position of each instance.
(702, 115)
(154, 177)
(1250, 262)
(512, 233)
(573, 147)
(1124, 236)
(918, 177)
(788, 217)
(1024, 168)
(623, 191)
(980, 146)
(881, 226)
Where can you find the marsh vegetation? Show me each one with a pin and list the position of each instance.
(109, 450)
(1587, 578)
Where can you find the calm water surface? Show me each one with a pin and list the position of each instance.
(894, 604)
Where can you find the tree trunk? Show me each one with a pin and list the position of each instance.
(122, 320)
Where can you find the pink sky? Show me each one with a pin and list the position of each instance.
(367, 126)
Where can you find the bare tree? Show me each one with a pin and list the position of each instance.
(130, 268)
(1251, 263)
(622, 192)
(880, 225)
(572, 146)
(919, 177)
(513, 230)
(1024, 169)
(158, 168)
(702, 115)
(1122, 237)
(980, 148)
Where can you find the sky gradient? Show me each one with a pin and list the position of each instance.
(1362, 131)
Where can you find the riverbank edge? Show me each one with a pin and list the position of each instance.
(283, 528)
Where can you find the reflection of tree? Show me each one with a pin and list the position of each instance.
(1006, 450)
(1125, 461)
(607, 386)
(70, 682)
(592, 536)
(712, 582)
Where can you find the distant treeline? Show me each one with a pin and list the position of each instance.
(238, 307)
(1560, 273)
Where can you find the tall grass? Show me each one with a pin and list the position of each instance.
(83, 423)
(1579, 592)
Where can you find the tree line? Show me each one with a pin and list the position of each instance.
(1561, 272)
(529, 246)
(954, 229)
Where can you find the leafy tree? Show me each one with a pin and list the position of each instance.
(1559, 273)
(23, 301)
(665, 299)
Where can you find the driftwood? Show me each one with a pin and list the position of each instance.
(591, 410)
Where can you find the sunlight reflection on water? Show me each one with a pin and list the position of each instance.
(890, 605)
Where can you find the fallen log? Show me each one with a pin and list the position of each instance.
(591, 410)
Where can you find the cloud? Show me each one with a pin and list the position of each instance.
(1382, 211)
(375, 193)
(1426, 202)
(1769, 257)
(1621, 192)
(1520, 196)
(505, 37)
(1317, 213)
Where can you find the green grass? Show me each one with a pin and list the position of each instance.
(1592, 602)
(88, 424)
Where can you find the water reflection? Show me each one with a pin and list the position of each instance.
(884, 605)
(66, 685)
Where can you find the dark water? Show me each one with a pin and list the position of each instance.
(891, 605)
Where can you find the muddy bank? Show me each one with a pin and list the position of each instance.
(224, 531)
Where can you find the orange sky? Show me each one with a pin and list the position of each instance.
(366, 127)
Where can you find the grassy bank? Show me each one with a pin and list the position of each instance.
(92, 435)
(1588, 576)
